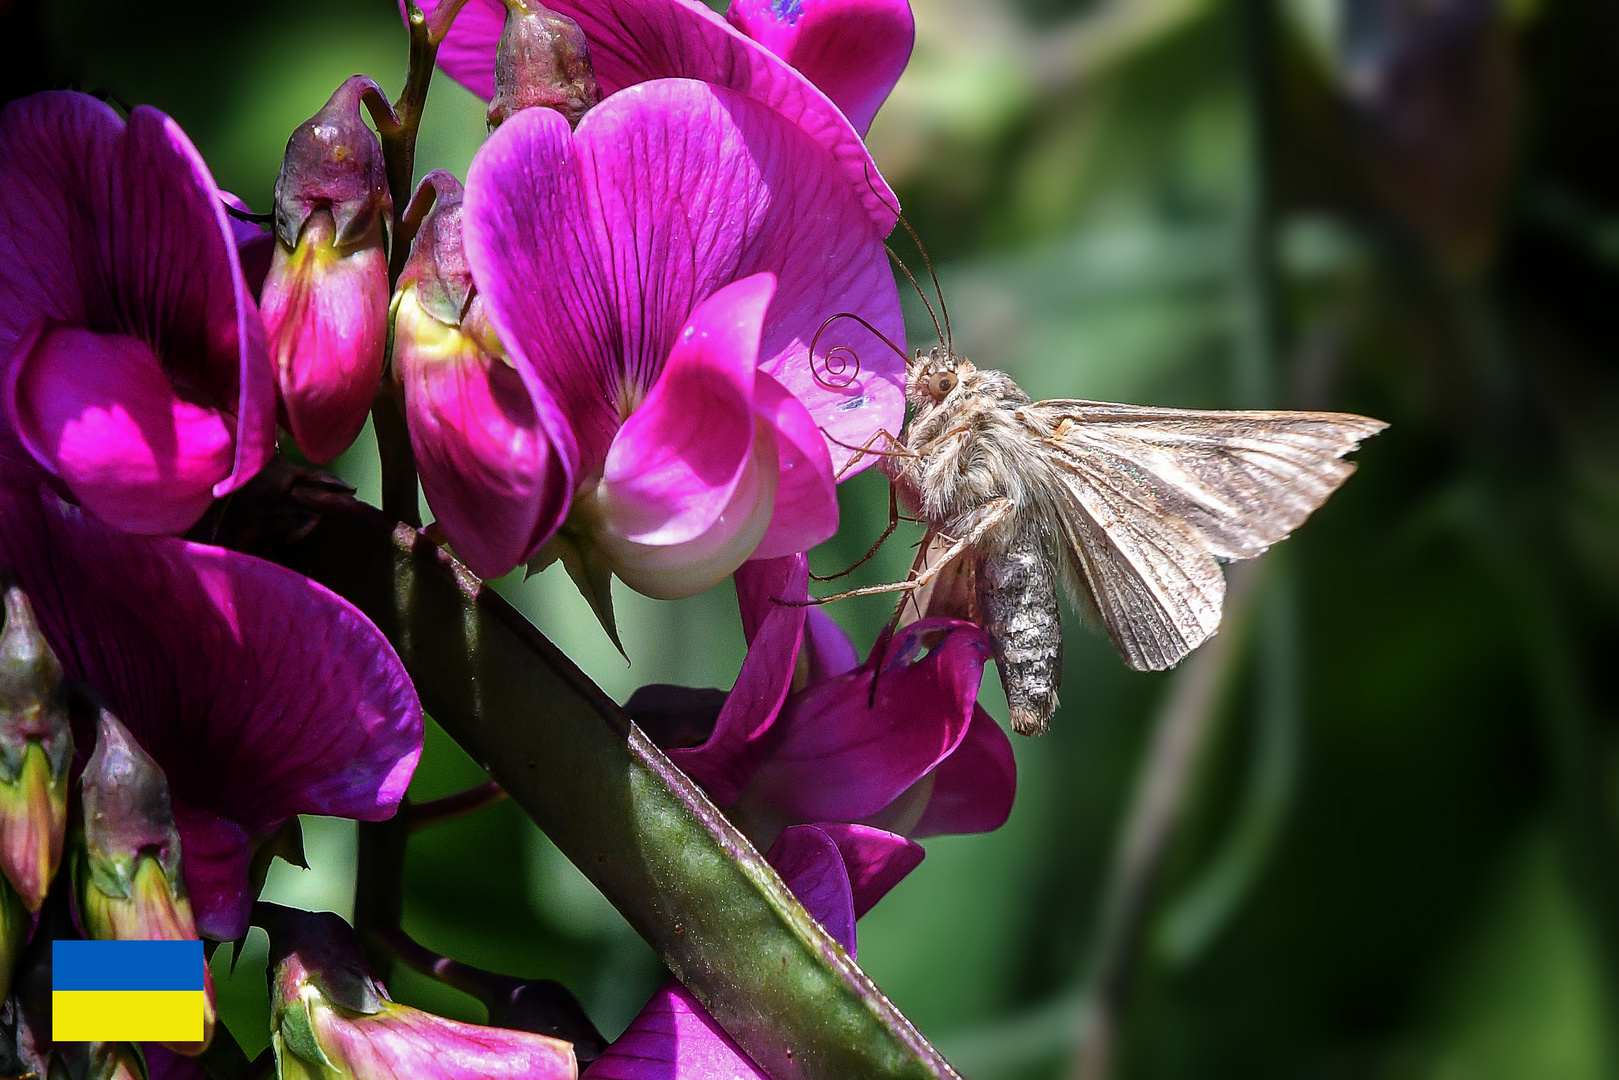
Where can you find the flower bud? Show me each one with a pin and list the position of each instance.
(325, 300)
(331, 1019)
(486, 462)
(36, 747)
(127, 878)
(542, 60)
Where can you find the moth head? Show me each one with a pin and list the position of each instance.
(933, 376)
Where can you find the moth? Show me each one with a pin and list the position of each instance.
(1132, 508)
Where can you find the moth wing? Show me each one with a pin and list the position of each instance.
(1151, 498)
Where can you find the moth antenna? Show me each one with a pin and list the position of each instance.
(836, 364)
(944, 309)
(949, 344)
(906, 270)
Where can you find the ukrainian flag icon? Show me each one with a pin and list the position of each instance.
(126, 991)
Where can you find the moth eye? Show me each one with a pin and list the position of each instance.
(941, 384)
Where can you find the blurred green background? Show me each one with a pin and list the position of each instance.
(1397, 851)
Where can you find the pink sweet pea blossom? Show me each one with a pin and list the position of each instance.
(918, 756)
(133, 369)
(260, 694)
(691, 242)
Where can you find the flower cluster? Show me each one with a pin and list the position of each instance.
(646, 337)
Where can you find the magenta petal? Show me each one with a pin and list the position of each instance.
(674, 1038)
(806, 495)
(675, 463)
(809, 862)
(973, 787)
(54, 155)
(830, 651)
(875, 860)
(667, 192)
(98, 410)
(260, 693)
(496, 482)
(215, 855)
(843, 756)
(172, 252)
(119, 228)
(678, 39)
(726, 760)
(854, 50)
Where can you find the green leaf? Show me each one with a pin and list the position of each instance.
(637, 827)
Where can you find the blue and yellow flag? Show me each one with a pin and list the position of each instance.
(126, 991)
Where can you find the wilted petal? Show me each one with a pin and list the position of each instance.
(806, 493)
(676, 39)
(667, 192)
(675, 464)
(854, 50)
(973, 787)
(100, 412)
(845, 753)
(260, 693)
(724, 762)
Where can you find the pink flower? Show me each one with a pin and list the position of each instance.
(260, 694)
(918, 756)
(691, 243)
(132, 361)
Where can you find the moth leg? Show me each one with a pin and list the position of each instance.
(994, 512)
(893, 523)
(897, 449)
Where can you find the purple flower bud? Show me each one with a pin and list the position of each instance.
(332, 1020)
(325, 300)
(36, 747)
(127, 878)
(542, 60)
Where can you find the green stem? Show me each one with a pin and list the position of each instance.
(379, 884)
(638, 828)
(437, 811)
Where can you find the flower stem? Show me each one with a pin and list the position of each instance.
(450, 807)
(379, 886)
